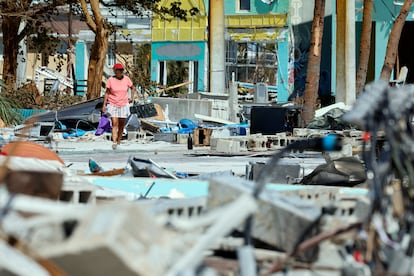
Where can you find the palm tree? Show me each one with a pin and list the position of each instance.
(394, 39)
(8, 113)
(314, 62)
(365, 45)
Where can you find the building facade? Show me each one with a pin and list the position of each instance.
(384, 15)
(179, 48)
(257, 46)
(257, 39)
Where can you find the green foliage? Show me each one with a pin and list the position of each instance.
(140, 68)
(8, 111)
(140, 7)
(178, 73)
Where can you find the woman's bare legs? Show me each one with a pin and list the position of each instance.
(115, 127)
(121, 125)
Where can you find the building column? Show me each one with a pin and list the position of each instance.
(217, 47)
(345, 52)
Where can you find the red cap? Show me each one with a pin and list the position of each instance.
(118, 66)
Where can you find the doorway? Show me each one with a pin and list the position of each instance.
(177, 72)
(405, 55)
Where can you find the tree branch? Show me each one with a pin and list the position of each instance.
(107, 4)
(89, 21)
(38, 10)
(23, 33)
(96, 10)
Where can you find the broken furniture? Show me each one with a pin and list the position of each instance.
(402, 77)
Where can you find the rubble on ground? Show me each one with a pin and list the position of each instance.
(342, 217)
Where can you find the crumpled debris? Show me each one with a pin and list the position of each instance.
(331, 120)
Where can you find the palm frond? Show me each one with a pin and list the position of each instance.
(8, 112)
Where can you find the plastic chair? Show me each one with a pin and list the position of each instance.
(402, 77)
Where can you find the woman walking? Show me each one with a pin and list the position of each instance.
(116, 102)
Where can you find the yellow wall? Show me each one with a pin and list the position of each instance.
(172, 29)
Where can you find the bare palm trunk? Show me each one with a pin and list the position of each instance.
(365, 45)
(314, 62)
(394, 39)
(10, 27)
(97, 63)
(98, 25)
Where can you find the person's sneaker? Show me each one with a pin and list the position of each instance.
(114, 146)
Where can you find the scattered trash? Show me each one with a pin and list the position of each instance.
(278, 218)
(94, 167)
(346, 171)
(331, 120)
(148, 168)
(104, 125)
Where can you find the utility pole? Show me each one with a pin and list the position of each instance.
(69, 51)
(217, 47)
(345, 52)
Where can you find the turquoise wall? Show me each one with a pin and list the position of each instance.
(283, 71)
(384, 14)
(80, 64)
(258, 7)
(80, 50)
(382, 32)
(198, 55)
(383, 11)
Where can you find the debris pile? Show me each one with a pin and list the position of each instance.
(226, 224)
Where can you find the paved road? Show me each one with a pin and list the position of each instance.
(171, 156)
(175, 157)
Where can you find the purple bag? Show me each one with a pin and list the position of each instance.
(103, 126)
